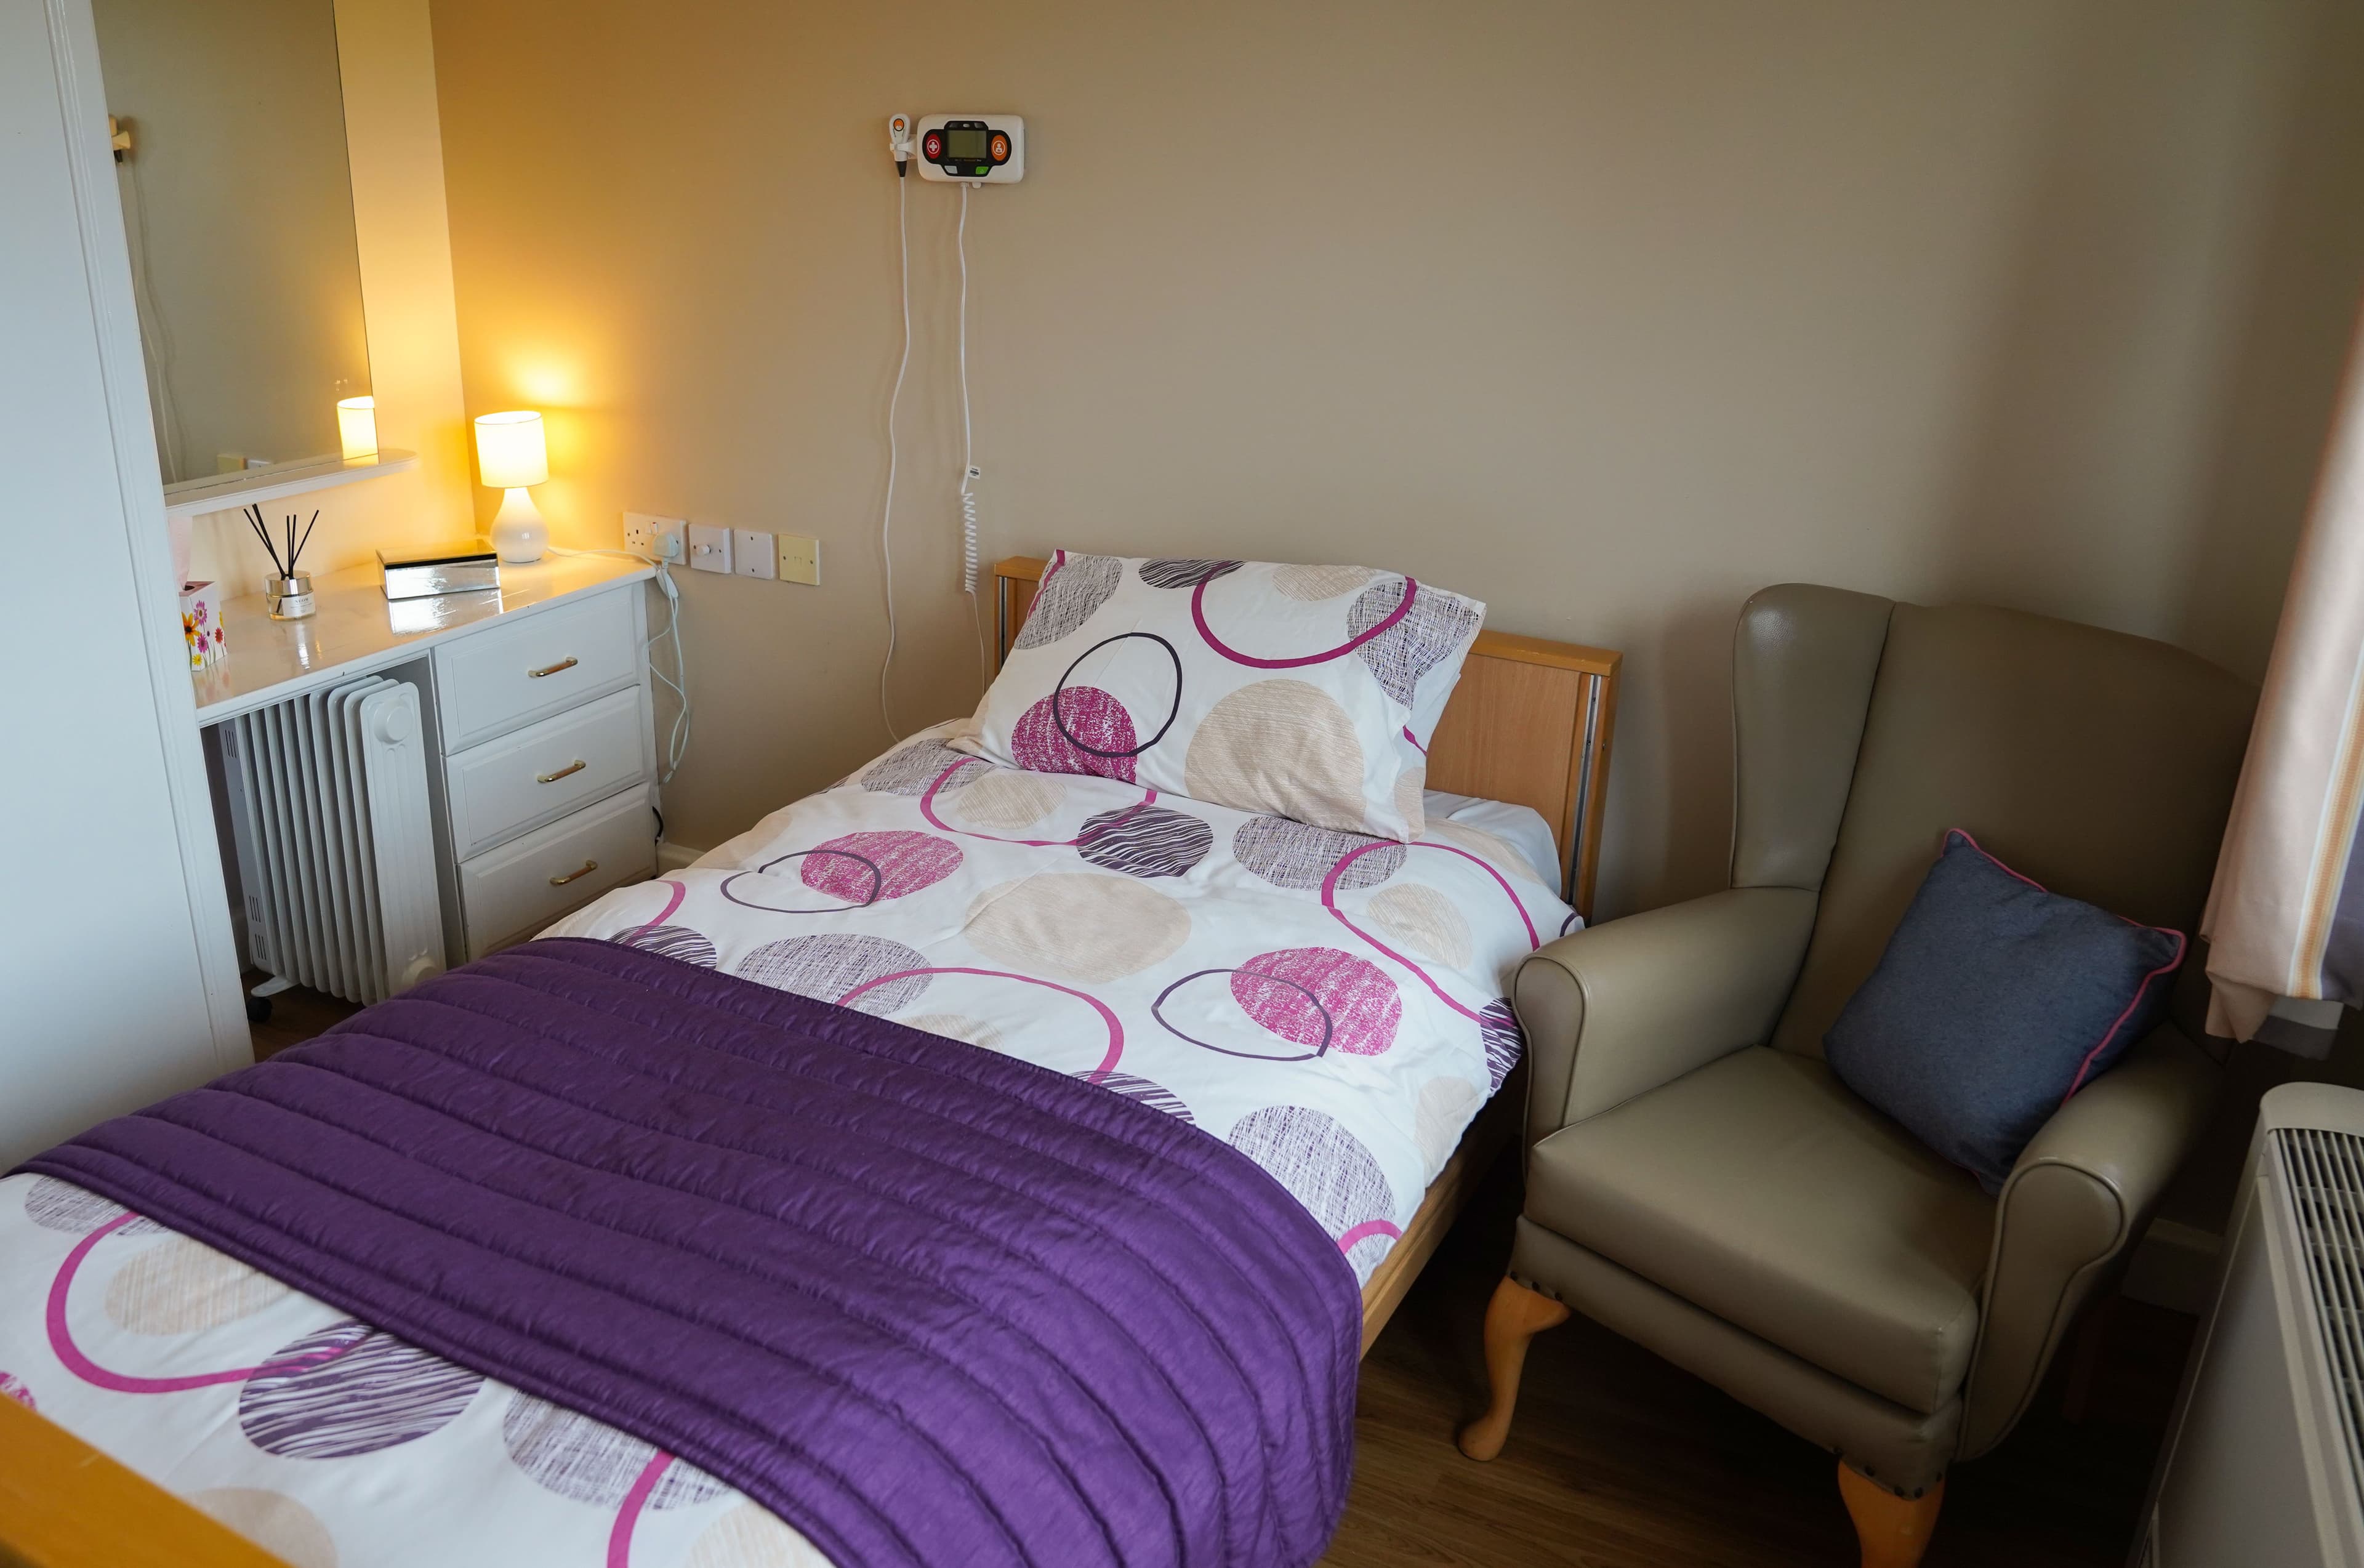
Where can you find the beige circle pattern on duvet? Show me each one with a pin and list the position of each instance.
(1077, 925)
(1006, 800)
(1486, 847)
(956, 1026)
(273, 1521)
(1312, 584)
(1445, 1106)
(1285, 744)
(179, 1286)
(749, 1537)
(1424, 919)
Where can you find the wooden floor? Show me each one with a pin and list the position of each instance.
(1619, 1460)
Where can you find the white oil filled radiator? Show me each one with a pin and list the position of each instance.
(336, 847)
(2264, 1466)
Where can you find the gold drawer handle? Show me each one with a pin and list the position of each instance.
(554, 778)
(588, 867)
(553, 670)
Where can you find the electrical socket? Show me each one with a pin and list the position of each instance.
(750, 554)
(709, 548)
(799, 560)
(659, 539)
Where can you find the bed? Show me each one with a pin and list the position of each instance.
(1083, 925)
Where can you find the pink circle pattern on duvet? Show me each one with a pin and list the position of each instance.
(13, 1387)
(1327, 998)
(351, 1389)
(1051, 737)
(868, 867)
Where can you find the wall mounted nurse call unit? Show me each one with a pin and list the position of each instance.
(973, 149)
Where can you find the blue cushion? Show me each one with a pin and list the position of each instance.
(1995, 1002)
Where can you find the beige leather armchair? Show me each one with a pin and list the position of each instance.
(1698, 1179)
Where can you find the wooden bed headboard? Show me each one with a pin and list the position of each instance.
(1530, 723)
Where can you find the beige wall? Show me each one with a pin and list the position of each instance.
(404, 247)
(1606, 313)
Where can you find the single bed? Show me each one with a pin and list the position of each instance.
(1212, 981)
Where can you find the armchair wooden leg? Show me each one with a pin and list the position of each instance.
(1515, 1315)
(1895, 1532)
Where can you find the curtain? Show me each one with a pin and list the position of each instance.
(2285, 919)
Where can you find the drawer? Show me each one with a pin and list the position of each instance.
(514, 891)
(540, 772)
(513, 672)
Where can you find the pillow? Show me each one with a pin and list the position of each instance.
(1995, 1002)
(1307, 692)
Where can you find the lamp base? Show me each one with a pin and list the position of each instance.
(519, 533)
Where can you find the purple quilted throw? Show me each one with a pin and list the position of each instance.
(929, 1304)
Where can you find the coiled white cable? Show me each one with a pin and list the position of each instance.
(894, 400)
(968, 447)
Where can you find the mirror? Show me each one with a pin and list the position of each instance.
(237, 206)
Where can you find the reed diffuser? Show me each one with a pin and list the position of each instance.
(289, 593)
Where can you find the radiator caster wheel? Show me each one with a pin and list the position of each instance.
(258, 1009)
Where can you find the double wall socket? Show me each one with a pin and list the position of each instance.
(659, 539)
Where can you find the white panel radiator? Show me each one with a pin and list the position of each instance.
(336, 847)
(2265, 1462)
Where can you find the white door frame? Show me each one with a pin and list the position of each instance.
(107, 264)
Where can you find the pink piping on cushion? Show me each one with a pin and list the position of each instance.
(679, 891)
(2119, 1022)
(1206, 634)
(1365, 1231)
(2141, 991)
(928, 810)
(1116, 1027)
(67, 1351)
(628, 1514)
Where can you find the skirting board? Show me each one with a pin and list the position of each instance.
(674, 857)
(2175, 1267)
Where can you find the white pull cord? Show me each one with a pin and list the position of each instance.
(894, 400)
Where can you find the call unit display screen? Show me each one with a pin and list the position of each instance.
(965, 144)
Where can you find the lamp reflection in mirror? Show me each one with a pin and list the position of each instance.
(510, 456)
(357, 427)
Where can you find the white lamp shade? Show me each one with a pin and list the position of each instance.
(509, 451)
(357, 426)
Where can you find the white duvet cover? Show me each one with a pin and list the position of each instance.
(1328, 1004)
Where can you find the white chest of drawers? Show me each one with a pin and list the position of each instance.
(543, 773)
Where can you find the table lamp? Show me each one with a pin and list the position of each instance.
(357, 427)
(510, 456)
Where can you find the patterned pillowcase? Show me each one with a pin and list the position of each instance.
(1308, 692)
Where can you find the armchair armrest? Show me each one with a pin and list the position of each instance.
(1617, 1009)
(2074, 1205)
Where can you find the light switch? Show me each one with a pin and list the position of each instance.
(799, 560)
(750, 554)
(710, 547)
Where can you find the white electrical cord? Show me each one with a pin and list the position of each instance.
(894, 400)
(968, 447)
(676, 738)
